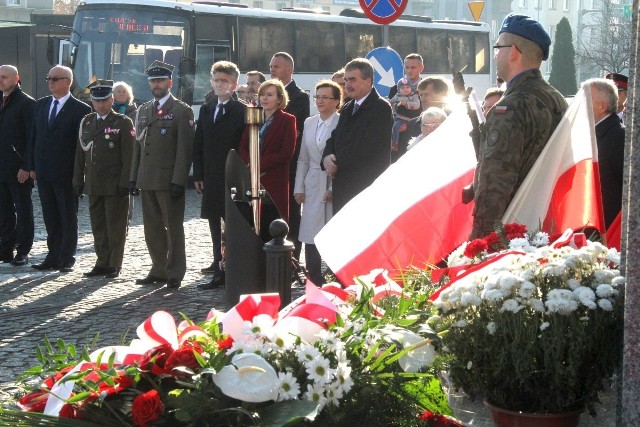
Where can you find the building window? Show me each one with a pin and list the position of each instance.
(257, 4)
(552, 4)
(565, 4)
(552, 33)
(538, 4)
(13, 2)
(522, 3)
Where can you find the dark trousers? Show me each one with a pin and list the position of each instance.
(215, 226)
(313, 263)
(294, 225)
(16, 218)
(109, 215)
(60, 214)
(164, 233)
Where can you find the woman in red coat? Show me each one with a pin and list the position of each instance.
(277, 144)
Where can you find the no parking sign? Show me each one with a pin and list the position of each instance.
(383, 11)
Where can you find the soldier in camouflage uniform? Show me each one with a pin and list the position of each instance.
(160, 168)
(519, 125)
(102, 167)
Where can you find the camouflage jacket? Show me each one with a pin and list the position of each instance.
(518, 127)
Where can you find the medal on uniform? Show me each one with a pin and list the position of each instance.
(106, 136)
(111, 144)
(163, 131)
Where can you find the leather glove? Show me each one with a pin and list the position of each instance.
(123, 192)
(176, 191)
(467, 194)
(132, 189)
(77, 191)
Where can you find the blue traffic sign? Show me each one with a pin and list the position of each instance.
(388, 68)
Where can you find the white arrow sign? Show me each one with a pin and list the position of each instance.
(386, 76)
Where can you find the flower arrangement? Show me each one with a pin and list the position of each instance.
(531, 326)
(356, 356)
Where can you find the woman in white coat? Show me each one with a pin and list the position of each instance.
(313, 187)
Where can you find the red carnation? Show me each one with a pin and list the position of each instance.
(146, 408)
(514, 231)
(225, 343)
(493, 241)
(184, 357)
(474, 248)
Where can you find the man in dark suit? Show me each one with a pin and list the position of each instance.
(160, 168)
(16, 208)
(359, 148)
(281, 68)
(220, 126)
(50, 161)
(610, 139)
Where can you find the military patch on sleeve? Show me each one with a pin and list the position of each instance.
(500, 109)
(191, 123)
(493, 137)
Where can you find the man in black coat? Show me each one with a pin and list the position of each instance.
(50, 161)
(16, 208)
(610, 140)
(359, 148)
(281, 68)
(220, 127)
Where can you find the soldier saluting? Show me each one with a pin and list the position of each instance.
(160, 168)
(102, 168)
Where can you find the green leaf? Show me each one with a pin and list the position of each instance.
(429, 395)
(47, 344)
(15, 418)
(288, 413)
(61, 344)
(71, 349)
(79, 397)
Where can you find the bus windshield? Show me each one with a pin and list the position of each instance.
(120, 44)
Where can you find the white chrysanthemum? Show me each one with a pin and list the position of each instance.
(460, 324)
(289, 387)
(520, 243)
(282, 339)
(573, 284)
(306, 352)
(333, 392)
(343, 377)
(244, 345)
(469, 298)
(544, 326)
(605, 304)
(260, 325)
(536, 304)
(527, 289)
(319, 370)
(540, 239)
(507, 281)
(586, 296)
(603, 276)
(554, 269)
(494, 295)
(561, 301)
(315, 393)
(457, 258)
(596, 249)
(613, 256)
(511, 305)
(328, 339)
(527, 274)
(491, 327)
(606, 291)
(617, 281)
(572, 261)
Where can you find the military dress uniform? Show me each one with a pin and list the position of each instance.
(160, 168)
(102, 169)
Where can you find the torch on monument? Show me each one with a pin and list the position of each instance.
(254, 118)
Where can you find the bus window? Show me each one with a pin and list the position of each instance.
(402, 40)
(259, 39)
(482, 59)
(432, 45)
(362, 39)
(319, 46)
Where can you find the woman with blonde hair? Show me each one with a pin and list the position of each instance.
(123, 100)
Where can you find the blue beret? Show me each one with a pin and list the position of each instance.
(159, 70)
(529, 28)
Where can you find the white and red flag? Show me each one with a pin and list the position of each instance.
(412, 214)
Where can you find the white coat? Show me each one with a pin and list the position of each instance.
(312, 181)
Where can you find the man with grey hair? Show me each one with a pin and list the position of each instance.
(610, 138)
(359, 148)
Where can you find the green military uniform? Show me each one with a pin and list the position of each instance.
(102, 168)
(162, 158)
(517, 129)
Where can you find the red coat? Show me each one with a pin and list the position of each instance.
(277, 150)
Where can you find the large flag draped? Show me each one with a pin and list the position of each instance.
(562, 190)
(412, 214)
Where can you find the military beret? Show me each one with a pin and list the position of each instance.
(159, 70)
(620, 80)
(529, 28)
(101, 89)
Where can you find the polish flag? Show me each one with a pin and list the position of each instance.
(562, 190)
(412, 214)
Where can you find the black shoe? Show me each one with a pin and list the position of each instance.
(96, 271)
(173, 284)
(20, 260)
(150, 280)
(66, 268)
(213, 284)
(112, 272)
(8, 257)
(44, 266)
(211, 269)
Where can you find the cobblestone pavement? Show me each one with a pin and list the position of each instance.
(77, 309)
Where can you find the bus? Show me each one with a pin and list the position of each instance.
(119, 39)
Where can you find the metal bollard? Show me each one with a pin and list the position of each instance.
(279, 252)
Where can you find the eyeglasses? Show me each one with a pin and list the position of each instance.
(55, 79)
(429, 125)
(322, 98)
(497, 47)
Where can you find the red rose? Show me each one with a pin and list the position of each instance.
(184, 357)
(146, 408)
(225, 343)
(155, 359)
(474, 248)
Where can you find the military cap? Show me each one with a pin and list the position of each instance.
(101, 89)
(620, 80)
(529, 28)
(159, 70)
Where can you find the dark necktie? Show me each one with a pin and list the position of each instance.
(220, 113)
(100, 121)
(355, 107)
(54, 111)
(156, 107)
